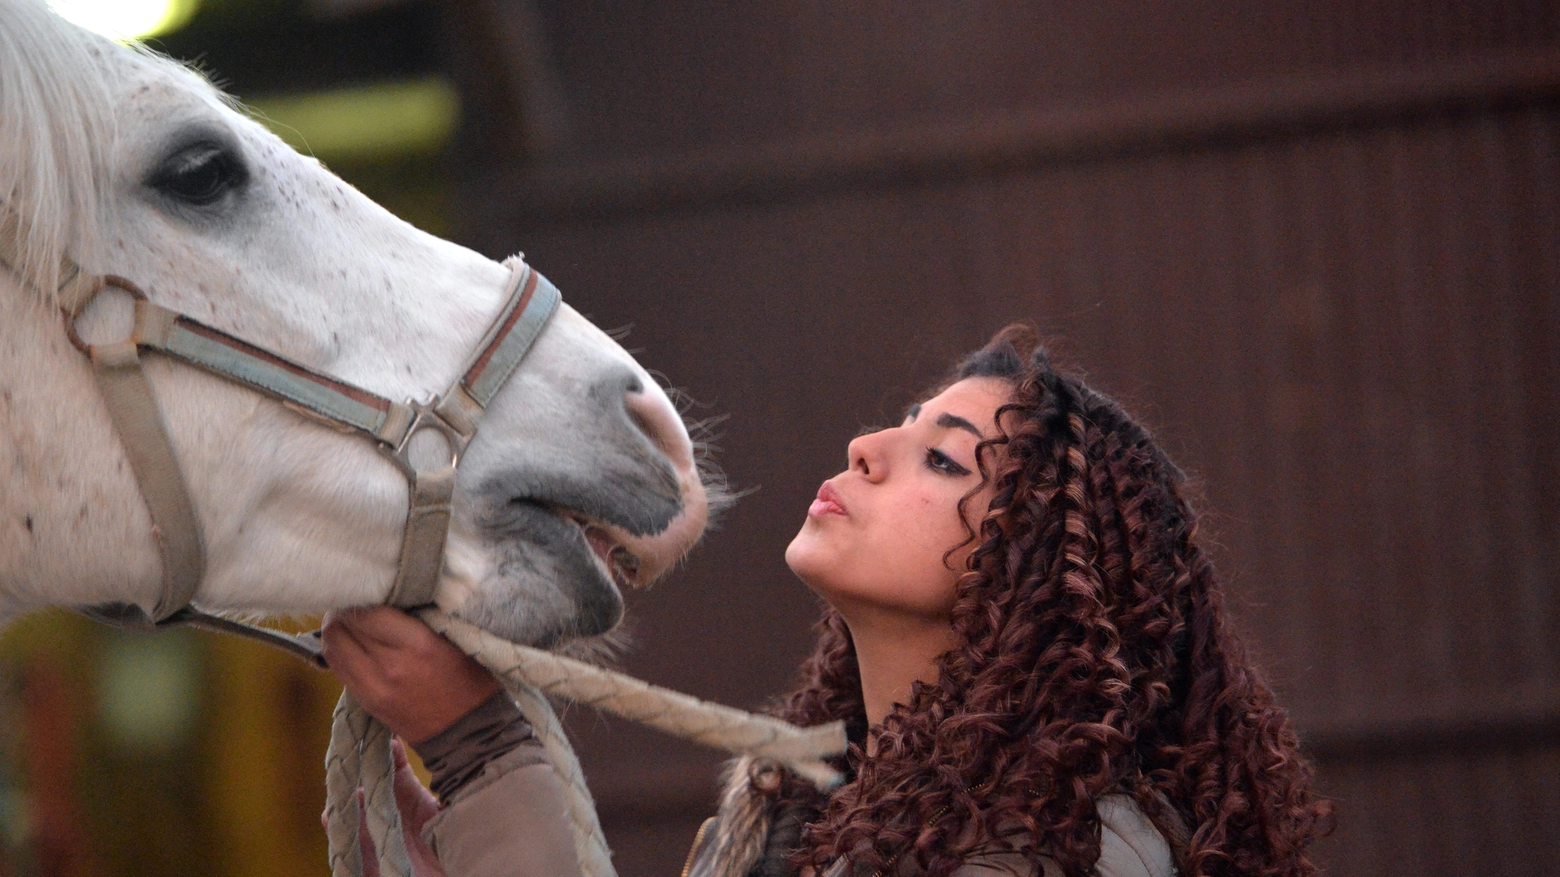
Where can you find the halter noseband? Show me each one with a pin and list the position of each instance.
(530, 301)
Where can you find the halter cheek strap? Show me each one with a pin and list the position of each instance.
(452, 418)
(175, 529)
(529, 304)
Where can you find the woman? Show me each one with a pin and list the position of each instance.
(1026, 643)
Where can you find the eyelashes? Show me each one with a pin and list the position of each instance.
(938, 461)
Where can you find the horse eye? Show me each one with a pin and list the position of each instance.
(199, 175)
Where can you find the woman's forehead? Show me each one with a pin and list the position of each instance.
(973, 399)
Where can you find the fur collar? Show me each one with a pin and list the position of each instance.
(744, 818)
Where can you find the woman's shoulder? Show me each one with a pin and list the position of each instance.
(1130, 846)
(1129, 843)
(748, 837)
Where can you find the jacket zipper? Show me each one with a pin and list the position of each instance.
(694, 850)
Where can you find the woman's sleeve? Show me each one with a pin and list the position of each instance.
(504, 806)
(508, 821)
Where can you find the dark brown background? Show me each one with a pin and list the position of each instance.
(1315, 244)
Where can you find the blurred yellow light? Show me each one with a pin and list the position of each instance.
(415, 117)
(127, 19)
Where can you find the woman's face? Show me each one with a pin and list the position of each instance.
(876, 539)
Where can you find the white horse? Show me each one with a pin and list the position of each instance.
(582, 475)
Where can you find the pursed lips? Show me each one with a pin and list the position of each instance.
(827, 503)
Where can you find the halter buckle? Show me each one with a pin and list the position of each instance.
(426, 419)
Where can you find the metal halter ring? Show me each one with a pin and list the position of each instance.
(426, 418)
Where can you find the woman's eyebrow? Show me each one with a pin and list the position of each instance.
(915, 411)
(953, 421)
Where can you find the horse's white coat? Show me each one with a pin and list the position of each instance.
(297, 518)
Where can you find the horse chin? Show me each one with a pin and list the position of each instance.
(549, 585)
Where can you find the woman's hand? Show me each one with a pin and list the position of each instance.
(403, 673)
(418, 684)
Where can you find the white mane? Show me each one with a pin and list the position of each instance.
(55, 100)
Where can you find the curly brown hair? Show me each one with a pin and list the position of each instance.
(1096, 658)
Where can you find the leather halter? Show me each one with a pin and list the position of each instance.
(530, 301)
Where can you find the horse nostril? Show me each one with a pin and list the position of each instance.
(653, 413)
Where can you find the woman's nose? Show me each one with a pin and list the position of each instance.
(865, 455)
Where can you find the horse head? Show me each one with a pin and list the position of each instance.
(580, 478)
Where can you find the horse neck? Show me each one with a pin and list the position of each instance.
(73, 528)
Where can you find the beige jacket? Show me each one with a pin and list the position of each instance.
(746, 840)
(509, 822)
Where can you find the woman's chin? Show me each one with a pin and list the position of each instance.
(820, 577)
(803, 556)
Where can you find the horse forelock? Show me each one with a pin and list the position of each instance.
(57, 85)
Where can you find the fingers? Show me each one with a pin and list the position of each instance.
(417, 806)
(344, 653)
(386, 636)
(403, 673)
(366, 843)
(360, 638)
(412, 798)
(381, 627)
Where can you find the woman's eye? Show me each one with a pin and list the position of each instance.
(199, 175)
(941, 462)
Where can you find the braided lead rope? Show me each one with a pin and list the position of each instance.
(720, 727)
(359, 757)
(343, 773)
(384, 817)
(529, 674)
(590, 845)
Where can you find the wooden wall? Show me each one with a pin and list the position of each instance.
(1315, 244)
